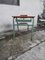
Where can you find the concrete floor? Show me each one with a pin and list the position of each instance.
(21, 45)
(36, 53)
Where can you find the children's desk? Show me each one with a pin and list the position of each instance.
(22, 19)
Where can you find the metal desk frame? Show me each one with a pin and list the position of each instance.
(22, 16)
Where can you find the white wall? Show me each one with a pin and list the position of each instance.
(29, 7)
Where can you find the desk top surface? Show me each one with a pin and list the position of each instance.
(23, 16)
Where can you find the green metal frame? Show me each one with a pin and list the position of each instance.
(18, 20)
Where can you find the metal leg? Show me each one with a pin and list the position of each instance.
(17, 26)
(13, 29)
(28, 27)
(32, 29)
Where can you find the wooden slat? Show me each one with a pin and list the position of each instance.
(23, 20)
(23, 16)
